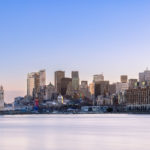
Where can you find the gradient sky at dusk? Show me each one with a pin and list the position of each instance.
(92, 36)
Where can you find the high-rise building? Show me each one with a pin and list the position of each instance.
(101, 88)
(75, 80)
(1, 98)
(30, 84)
(121, 87)
(132, 83)
(58, 77)
(42, 75)
(65, 84)
(35, 81)
(124, 78)
(144, 76)
(98, 78)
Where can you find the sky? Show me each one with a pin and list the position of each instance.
(91, 36)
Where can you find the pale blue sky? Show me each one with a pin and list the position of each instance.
(92, 36)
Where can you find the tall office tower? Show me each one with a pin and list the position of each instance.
(33, 84)
(65, 83)
(141, 77)
(124, 78)
(1, 98)
(132, 83)
(42, 74)
(98, 78)
(30, 84)
(58, 76)
(144, 76)
(147, 75)
(101, 88)
(75, 80)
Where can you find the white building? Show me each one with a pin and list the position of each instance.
(1, 98)
(144, 76)
(121, 87)
(35, 80)
(30, 84)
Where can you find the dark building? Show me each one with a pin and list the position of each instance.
(101, 88)
(65, 84)
(138, 98)
(58, 76)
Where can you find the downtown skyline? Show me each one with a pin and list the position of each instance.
(92, 37)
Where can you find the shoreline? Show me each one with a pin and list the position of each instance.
(79, 113)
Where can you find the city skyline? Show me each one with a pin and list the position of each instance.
(9, 97)
(92, 37)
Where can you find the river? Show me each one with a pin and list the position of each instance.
(75, 132)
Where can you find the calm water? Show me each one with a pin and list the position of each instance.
(75, 132)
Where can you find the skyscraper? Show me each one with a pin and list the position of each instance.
(75, 80)
(144, 76)
(65, 83)
(35, 81)
(124, 78)
(98, 78)
(42, 74)
(1, 98)
(101, 88)
(58, 76)
(30, 84)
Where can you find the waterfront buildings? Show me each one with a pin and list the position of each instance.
(58, 77)
(1, 98)
(138, 99)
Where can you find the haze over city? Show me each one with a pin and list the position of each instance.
(92, 37)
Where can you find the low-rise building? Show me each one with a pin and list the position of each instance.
(138, 99)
